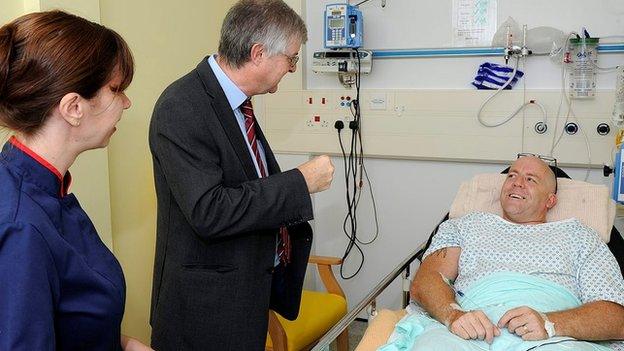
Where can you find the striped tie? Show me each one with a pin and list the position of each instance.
(283, 240)
(250, 126)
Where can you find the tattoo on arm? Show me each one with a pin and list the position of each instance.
(441, 252)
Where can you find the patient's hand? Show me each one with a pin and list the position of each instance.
(472, 325)
(524, 322)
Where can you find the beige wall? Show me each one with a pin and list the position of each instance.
(89, 9)
(168, 39)
(9, 9)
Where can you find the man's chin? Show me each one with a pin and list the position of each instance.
(511, 210)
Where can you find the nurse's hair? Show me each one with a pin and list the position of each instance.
(271, 23)
(45, 55)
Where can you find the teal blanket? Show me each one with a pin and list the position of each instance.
(494, 295)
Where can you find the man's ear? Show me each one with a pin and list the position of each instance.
(257, 54)
(552, 201)
(71, 108)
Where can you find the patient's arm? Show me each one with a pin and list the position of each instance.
(599, 320)
(428, 288)
(436, 297)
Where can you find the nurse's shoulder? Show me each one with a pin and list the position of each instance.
(22, 221)
(28, 275)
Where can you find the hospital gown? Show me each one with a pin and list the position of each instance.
(565, 252)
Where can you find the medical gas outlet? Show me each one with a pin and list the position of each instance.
(571, 128)
(603, 129)
(541, 127)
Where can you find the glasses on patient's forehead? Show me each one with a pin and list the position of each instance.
(551, 161)
(292, 59)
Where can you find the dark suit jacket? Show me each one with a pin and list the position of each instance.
(217, 225)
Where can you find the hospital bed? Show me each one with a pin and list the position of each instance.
(589, 203)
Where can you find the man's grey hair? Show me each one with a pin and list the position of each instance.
(270, 23)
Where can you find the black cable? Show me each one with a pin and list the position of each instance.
(348, 164)
(355, 171)
(352, 200)
(370, 186)
(360, 3)
(344, 158)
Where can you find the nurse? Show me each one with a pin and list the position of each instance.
(62, 82)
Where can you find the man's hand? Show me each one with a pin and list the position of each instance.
(524, 322)
(472, 325)
(318, 173)
(131, 344)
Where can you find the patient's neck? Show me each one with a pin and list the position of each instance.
(524, 220)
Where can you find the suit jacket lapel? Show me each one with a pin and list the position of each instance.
(224, 112)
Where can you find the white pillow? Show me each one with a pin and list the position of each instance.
(589, 203)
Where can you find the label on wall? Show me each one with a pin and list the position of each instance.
(474, 22)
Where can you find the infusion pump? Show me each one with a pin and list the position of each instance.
(344, 26)
(342, 61)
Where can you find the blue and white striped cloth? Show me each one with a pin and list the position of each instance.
(493, 76)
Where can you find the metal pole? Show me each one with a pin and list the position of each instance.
(342, 324)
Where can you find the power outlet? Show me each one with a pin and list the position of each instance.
(317, 122)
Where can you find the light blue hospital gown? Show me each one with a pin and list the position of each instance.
(565, 252)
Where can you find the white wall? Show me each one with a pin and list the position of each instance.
(412, 196)
(408, 24)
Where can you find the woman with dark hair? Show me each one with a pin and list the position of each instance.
(62, 82)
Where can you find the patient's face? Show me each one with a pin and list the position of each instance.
(528, 191)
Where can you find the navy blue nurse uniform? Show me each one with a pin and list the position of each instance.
(60, 286)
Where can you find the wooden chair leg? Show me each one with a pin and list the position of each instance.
(343, 340)
(278, 336)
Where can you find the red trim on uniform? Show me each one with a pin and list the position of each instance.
(13, 140)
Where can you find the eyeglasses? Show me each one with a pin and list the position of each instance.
(292, 59)
(550, 160)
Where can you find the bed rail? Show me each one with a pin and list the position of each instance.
(341, 325)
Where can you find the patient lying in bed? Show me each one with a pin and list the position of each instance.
(516, 282)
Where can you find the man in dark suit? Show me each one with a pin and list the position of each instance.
(232, 237)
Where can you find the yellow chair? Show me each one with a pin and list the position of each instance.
(318, 313)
